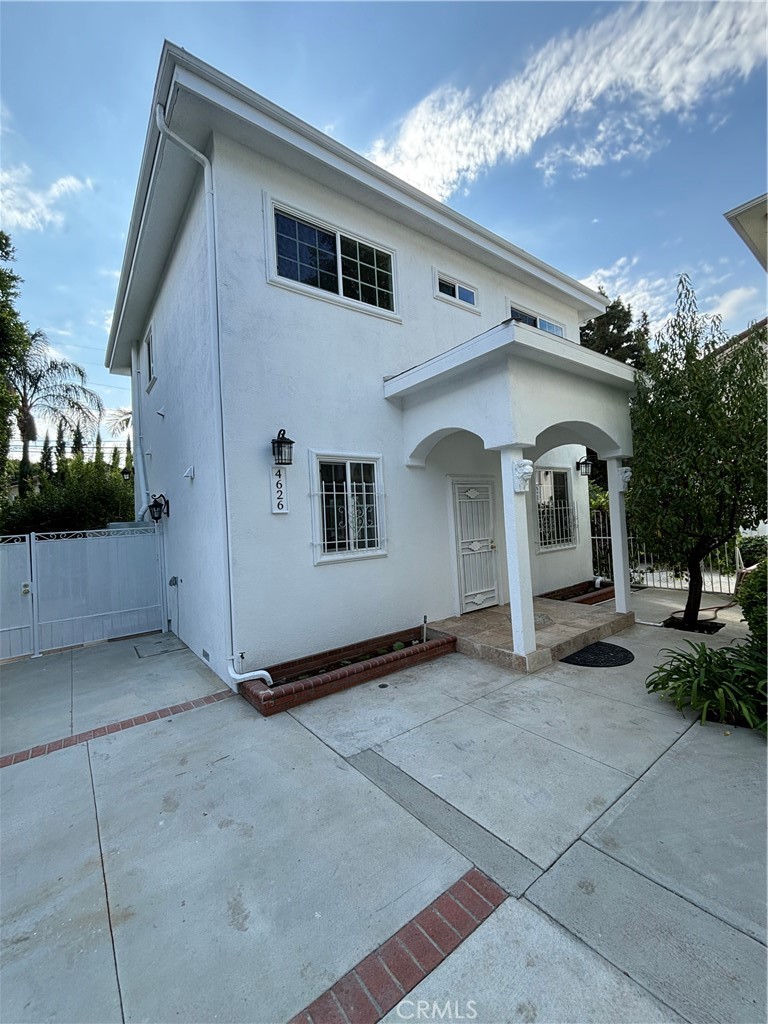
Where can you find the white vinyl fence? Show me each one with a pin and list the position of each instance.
(718, 570)
(62, 589)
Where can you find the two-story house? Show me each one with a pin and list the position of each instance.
(428, 371)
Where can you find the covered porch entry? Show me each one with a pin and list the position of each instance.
(532, 400)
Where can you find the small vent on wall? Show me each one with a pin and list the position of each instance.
(206, 655)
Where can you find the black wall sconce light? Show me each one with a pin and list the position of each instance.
(159, 506)
(584, 466)
(282, 449)
(127, 473)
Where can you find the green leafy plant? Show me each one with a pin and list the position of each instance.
(725, 685)
(753, 550)
(751, 596)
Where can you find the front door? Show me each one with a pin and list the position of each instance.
(476, 548)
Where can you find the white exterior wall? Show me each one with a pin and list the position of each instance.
(563, 566)
(315, 368)
(193, 536)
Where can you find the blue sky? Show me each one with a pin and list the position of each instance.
(607, 139)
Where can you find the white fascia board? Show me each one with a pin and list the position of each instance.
(261, 114)
(749, 222)
(516, 341)
(453, 362)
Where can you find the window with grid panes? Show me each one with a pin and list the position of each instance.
(313, 256)
(349, 505)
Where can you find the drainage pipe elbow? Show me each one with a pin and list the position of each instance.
(247, 677)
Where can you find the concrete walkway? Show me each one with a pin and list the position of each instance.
(218, 866)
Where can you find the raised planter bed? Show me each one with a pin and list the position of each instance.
(317, 675)
(582, 593)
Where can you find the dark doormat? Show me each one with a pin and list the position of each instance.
(600, 655)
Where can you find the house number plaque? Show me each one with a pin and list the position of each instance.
(279, 486)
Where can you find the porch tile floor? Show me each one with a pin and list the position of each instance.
(561, 629)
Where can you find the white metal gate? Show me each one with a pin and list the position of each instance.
(474, 515)
(62, 589)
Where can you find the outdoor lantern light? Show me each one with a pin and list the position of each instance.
(584, 466)
(282, 449)
(158, 506)
(127, 473)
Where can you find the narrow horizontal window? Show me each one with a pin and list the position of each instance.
(333, 262)
(450, 287)
(532, 320)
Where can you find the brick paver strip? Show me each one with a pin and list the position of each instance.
(108, 730)
(369, 991)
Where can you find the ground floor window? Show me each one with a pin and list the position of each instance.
(349, 504)
(556, 512)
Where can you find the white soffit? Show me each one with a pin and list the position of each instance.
(750, 222)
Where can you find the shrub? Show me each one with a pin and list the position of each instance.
(725, 685)
(753, 550)
(88, 498)
(752, 598)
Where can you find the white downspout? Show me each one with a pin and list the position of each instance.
(213, 284)
(138, 447)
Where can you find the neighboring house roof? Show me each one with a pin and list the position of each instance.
(737, 339)
(198, 101)
(750, 222)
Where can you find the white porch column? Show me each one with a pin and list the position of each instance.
(515, 481)
(618, 478)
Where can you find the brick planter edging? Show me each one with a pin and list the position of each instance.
(386, 976)
(108, 730)
(289, 695)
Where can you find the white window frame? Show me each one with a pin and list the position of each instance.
(320, 556)
(147, 349)
(543, 549)
(514, 304)
(454, 300)
(271, 205)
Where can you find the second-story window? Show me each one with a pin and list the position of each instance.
(333, 262)
(533, 320)
(450, 288)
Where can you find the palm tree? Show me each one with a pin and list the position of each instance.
(53, 388)
(119, 421)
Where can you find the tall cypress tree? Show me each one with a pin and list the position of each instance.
(46, 458)
(77, 441)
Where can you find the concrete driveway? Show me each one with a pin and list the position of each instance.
(460, 843)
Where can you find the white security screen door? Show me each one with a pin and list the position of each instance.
(473, 505)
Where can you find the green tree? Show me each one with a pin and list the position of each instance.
(114, 460)
(699, 426)
(77, 441)
(61, 451)
(54, 388)
(613, 334)
(87, 499)
(13, 343)
(46, 459)
(98, 455)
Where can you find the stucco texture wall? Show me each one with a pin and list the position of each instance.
(316, 368)
(178, 428)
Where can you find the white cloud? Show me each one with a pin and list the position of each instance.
(114, 275)
(655, 293)
(662, 59)
(26, 208)
(735, 306)
(5, 119)
(643, 292)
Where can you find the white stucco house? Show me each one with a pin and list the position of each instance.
(274, 279)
